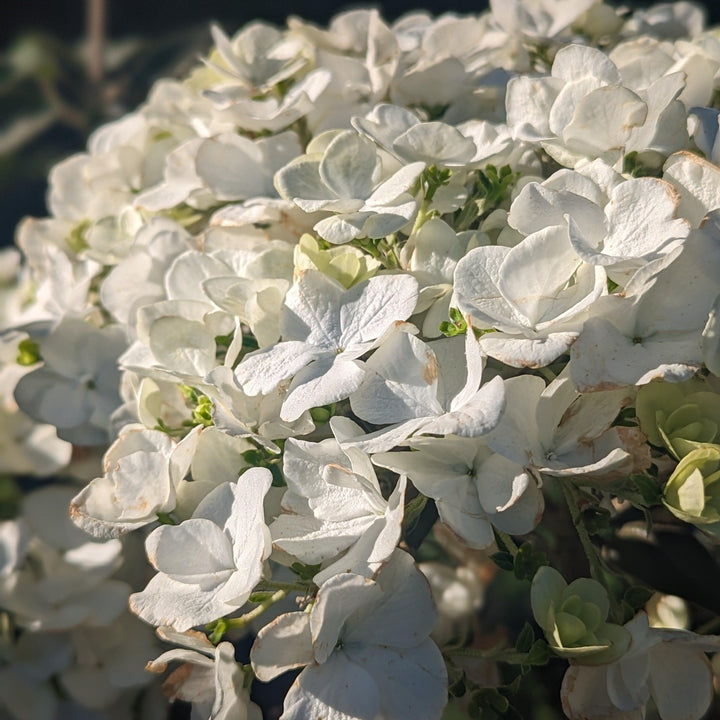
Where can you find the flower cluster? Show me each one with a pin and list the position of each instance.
(346, 299)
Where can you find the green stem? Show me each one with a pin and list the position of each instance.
(235, 623)
(547, 373)
(597, 569)
(421, 217)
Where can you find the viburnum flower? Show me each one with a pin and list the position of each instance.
(422, 391)
(410, 140)
(582, 110)
(76, 387)
(366, 655)
(209, 677)
(669, 666)
(53, 577)
(142, 471)
(555, 430)
(344, 297)
(431, 255)
(535, 295)
(346, 177)
(208, 565)
(646, 333)
(319, 350)
(474, 488)
(333, 506)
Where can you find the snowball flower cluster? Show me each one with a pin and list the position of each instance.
(346, 300)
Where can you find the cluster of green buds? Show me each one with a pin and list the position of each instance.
(693, 491)
(574, 618)
(684, 418)
(679, 416)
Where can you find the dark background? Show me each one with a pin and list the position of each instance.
(66, 17)
(166, 31)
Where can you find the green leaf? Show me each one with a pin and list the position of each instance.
(596, 519)
(322, 414)
(504, 560)
(525, 639)
(305, 572)
(10, 498)
(528, 561)
(637, 596)
(413, 510)
(648, 488)
(539, 653)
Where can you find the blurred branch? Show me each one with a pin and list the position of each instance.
(95, 24)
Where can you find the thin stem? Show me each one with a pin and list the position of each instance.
(711, 625)
(235, 623)
(547, 373)
(421, 217)
(96, 15)
(597, 570)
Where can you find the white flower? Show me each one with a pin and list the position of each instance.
(270, 113)
(225, 167)
(668, 666)
(533, 294)
(142, 471)
(647, 333)
(346, 178)
(431, 255)
(581, 111)
(109, 663)
(325, 328)
(459, 594)
(58, 577)
(474, 488)
(557, 431)
(422, 389)
(333, 506)
(258, 57)
(208, 565)
(76, 388)
(402, 133)
(367, 656)
(209, 677)
(697, 181)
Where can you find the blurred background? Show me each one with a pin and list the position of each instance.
(54, 90)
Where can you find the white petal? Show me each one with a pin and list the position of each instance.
(336, 690)
(349, 165)
(412, 681)
(681, 681)
(282, 645)
(338, 598)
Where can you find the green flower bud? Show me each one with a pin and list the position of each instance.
(573, 618)
(345, 263)
(693, 491)
(679, 416)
